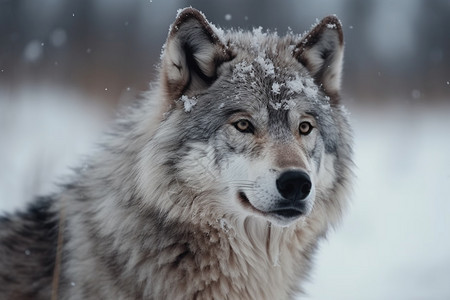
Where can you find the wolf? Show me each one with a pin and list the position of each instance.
(218, 184)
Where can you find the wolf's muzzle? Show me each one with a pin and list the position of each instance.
(294, 185)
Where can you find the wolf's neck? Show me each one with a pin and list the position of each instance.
(247, 255)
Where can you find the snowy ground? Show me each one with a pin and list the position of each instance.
(394, 242)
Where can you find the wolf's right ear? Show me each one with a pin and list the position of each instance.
(192, 54)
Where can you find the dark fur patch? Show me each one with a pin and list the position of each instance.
(32, 235)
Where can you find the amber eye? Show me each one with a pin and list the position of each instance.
(244, 126)
(305, 128)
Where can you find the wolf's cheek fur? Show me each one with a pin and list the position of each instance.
(198, 168)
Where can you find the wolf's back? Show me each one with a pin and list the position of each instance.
(28, 245)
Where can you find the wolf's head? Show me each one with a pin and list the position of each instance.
(252, 125)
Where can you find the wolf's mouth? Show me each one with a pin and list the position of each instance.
(287, 212)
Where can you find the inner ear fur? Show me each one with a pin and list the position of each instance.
(321, 52)
(192, 54)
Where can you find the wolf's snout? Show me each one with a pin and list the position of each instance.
(294, 185)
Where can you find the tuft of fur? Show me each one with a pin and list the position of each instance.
(156, 213)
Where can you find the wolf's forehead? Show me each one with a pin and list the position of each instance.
(266, 61)
(257, 41)
(266, 80)
(279, 83)
(259, 47)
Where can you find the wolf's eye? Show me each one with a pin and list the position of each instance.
(305, 128)
(244, 126)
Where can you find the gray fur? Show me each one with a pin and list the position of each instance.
(155, 213)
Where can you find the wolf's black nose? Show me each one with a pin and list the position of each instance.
(294, 185)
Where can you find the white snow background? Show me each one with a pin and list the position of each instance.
(394, 242)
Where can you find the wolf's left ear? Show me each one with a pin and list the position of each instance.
(192, 54)
(321, 52)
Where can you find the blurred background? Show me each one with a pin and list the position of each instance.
(66, 67)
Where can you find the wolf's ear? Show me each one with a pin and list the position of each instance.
(192, 54)
(321, 52)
